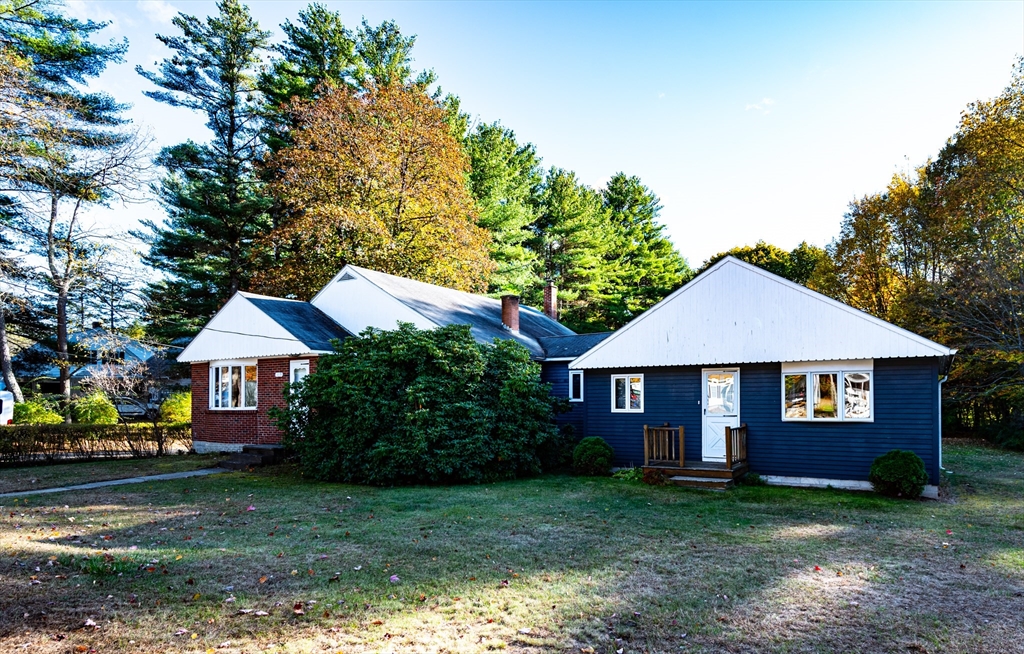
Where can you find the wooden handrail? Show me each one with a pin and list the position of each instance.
(735, 445)
(664, 444)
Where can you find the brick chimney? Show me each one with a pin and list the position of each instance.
(551, 300)
(510, 312)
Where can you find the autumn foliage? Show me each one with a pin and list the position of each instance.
(375, 178)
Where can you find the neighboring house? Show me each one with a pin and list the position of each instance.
(245, 354)
(786, 382)
(90, 350)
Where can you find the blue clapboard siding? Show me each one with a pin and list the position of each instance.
(556, 373)
(906, 417)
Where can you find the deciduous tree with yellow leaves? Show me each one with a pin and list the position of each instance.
(374, 178)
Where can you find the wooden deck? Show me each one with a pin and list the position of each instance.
(664, 449)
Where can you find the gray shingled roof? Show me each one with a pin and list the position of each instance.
(304, 321)
(445, 306)
(563, 347)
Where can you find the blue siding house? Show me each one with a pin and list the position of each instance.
(744, 370)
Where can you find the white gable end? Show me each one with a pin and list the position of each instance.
(737, 313)
(355, 303)
(241, 331)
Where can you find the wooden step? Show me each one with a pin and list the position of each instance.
(706, 483)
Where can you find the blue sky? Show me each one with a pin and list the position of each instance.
(750, 120)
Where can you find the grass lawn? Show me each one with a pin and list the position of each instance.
(83, 472)
(266, 561)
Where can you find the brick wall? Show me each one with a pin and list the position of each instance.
(234, 428)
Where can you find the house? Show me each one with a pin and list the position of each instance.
(743, 370)
(254, 344)
(89, 351)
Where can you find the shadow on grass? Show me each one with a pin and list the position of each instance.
(538, 564)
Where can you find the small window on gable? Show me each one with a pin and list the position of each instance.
(628, 393)
(575, 385)
(233, 385)
(828, 391)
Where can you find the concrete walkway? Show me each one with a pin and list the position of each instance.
(118, 482)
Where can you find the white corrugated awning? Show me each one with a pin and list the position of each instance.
(738, 313)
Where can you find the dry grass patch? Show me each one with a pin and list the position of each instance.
(266, 561)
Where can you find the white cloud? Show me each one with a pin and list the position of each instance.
(158, 11)
(764, 106)
(661, 95)
(83, 10)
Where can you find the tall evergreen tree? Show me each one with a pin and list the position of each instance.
(216, 205)
(574, 240)
(504, 179)
(647, 266)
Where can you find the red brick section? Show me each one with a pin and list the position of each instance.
(241, 427)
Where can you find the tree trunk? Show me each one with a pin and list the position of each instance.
(5, 359)
(62, 350)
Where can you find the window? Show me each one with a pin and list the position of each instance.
(233, 385)
(827, 391)
(298, 370)
(575, 385)
(628, 393)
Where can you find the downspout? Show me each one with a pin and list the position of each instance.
(941, 381)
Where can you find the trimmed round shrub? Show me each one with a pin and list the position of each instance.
(94, 409)
(593, 457)
(177, 408)
(35, 413)
(899, 473)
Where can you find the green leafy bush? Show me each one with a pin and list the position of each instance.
(629, 474)
(177, 408)
(94, 409)
(593, 457)
(420, 406)
(899, 473)
(35, 412)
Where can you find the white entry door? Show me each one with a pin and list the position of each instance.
(721, 410)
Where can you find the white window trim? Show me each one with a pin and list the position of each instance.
(292, 366)
(234, 362)
(862, 367)
(576, 373)
(643, 393)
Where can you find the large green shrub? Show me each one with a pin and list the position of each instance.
(177, 408)
(413, 406)
(899, 473)
(593, 457)
(94, 409)
(35, 412)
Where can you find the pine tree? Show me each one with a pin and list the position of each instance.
(504, 179)
(647, 265)
(217, 207)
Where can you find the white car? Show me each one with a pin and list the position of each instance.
(6, 408)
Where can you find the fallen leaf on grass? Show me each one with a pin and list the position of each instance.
(525, 630)
(261, 614)
(817, 568)
(298, 609)
(263, 580)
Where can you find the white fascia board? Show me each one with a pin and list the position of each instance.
(358, 303)
(241, 331)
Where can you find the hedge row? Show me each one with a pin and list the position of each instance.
(53, 443)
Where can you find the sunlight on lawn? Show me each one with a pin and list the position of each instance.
(269, 562)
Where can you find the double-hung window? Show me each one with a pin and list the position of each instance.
(627, 393)
(575, 385)
(233, 385)
(828, 391)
